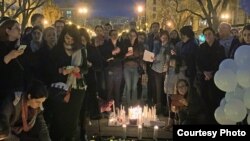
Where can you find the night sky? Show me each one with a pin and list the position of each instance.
(109, 8)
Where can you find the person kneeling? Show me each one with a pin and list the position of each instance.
(21, 118)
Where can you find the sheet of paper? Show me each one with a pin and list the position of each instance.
(148, 56)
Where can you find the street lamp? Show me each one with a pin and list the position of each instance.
(70, 23)
(169, 24)
(83, 11)
(45, 22)
(225, 16)
(140, 9)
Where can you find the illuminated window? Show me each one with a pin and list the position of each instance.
(68, 12)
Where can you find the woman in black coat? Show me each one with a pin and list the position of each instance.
(11, 59)
(68, 65)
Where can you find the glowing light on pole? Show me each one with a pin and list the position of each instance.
(84, 11)
(140, 9)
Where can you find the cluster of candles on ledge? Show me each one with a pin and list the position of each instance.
(139, 133)
(136, 116)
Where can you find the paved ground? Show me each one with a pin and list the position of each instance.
(112, 133)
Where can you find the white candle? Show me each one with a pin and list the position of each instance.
(155, 135)
(124, 117)
(114, 108)
(124, 127)
(118, 113)
(139, 132)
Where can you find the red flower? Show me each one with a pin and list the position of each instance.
(77, 75)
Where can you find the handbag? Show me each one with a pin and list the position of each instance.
(140, 68)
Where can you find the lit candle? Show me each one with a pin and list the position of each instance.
(114, 108)
(155, 132)
(124, 127)
(139, 132)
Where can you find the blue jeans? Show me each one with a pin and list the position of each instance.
(131, 77)
(114, 79)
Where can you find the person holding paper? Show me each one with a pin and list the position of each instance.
(153, 38)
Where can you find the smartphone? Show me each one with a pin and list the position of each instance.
(22, 47)
(69, 67)
(130, 49)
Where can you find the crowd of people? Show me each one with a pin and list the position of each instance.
(52, 78)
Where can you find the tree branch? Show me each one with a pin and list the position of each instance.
(217, 5)
(224, 5)
(21, 9)
(203, 8)
(2, 9)
(9, 6)
(187, 10)
(38, 4)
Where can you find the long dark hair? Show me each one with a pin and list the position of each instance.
(7, 24)
(83, 32)
(74, 33)
(177, 63)
(177, 39)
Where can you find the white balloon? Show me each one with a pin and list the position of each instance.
(223, 102)
(228, 64)
(242, 56)
(246, 98)
(225, 80)
(221, 117)
(229, 95)
(235, 110)
(243, 76)
(237, 94)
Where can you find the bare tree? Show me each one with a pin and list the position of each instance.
(30, 7)
(23, 7)
(4, 8)
(168, 13)
(51, 12)
(210, 10)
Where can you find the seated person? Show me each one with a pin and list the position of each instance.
(179, 104)
(21, 118)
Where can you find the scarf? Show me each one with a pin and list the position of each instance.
(25, 114)
(71, 80)
(75, 61)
